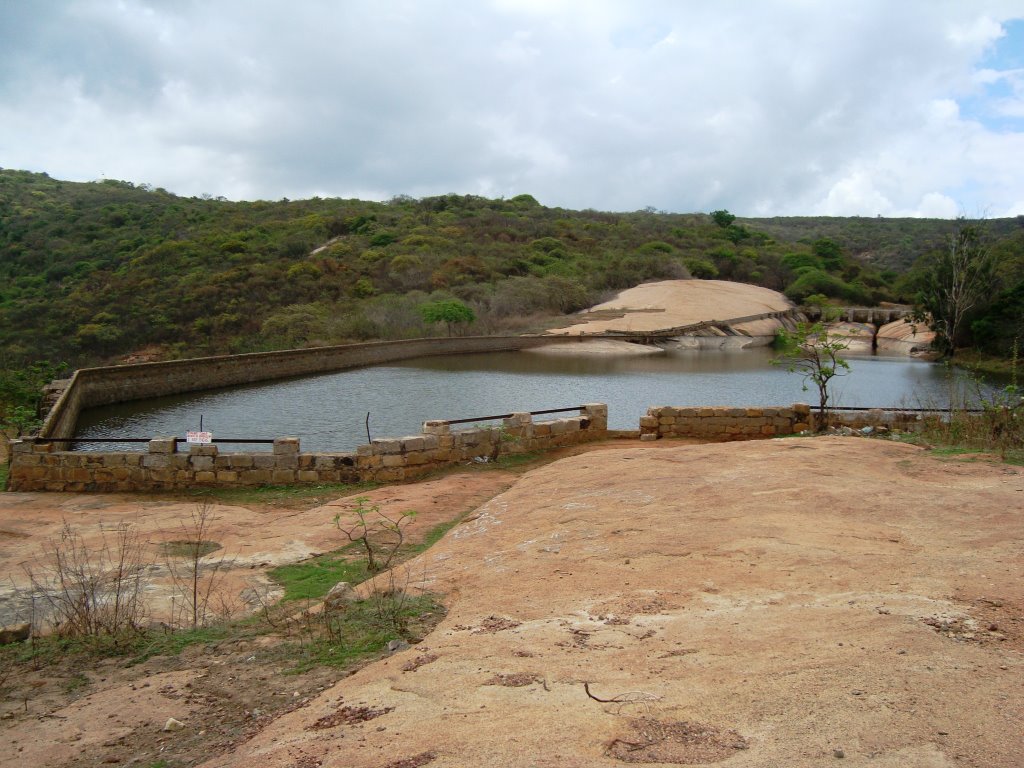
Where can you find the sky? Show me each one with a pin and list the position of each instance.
(762, 107)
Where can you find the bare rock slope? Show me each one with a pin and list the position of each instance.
(784, 602)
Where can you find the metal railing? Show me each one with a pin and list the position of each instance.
(510, 415)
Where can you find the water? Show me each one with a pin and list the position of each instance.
(328, 411)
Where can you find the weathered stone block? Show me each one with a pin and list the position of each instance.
(753, 412)
(287, 462)
(802, 409)
(800, 426)
(258, 476)
(221, 462)
(308, 476)
(227, 476)
(430, 442)
(412, 444)
(206, 477)
(666, 420)
(307, 460)
(163, 445)
(264, 461)
(240, 461)
(202, 463)
(283, 476)
(286, 446)
(387, 446)
(768, 430)
(648, 437)
(436, 427)
(157, 461)
(393, 460)
(364, 450)
(203, 449)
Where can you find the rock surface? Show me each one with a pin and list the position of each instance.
(767, 603)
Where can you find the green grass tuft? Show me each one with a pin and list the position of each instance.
(312, 579)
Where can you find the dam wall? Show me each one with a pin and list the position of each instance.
(90, 387)
(36, 465)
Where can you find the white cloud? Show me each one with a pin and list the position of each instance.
(781, 107)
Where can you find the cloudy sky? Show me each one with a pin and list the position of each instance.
(764, 107)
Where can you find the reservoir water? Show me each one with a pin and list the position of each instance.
(328, 411)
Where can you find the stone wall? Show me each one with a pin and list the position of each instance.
(37, 466)
(90, 387)
(724, 423)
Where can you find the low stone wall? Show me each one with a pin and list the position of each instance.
(89, 387)
(37, 466)
(724, 423)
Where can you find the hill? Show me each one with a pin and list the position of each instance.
(93, 272)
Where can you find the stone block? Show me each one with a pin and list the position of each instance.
(308, 476)
(648, 437)
(157, 461)
(264, 461)
(393, 460)
(666, 420)
(283, 476)
(787, 413)
(203, 449)
(802, 409)
(706, 413)
(286, 446)
(650, 422)
(287, 462)
(364, 450)
(221, 462)
(436, 427)
(206, 477)
(39, 447)
(307, 460)
(163, 445)
(800, 426)
(387, 446)
(753, 412)
(240, 461)
(768, 430)
(227, 476)
(430, 442)
(21, 446)
(412, 444)
(259, 476)
(202, 463)
(328, 476)
(686, 413)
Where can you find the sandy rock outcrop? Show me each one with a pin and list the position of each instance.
(675, 303)
(682, 604)
(903, 338)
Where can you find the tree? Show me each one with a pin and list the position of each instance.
(813, 353)
(954, 282)
(449, 311)
(723, 218)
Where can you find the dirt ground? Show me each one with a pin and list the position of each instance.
(774, 603)
(673, 303)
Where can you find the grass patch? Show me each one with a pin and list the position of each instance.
(312, 579)
(362, 629)
(3, 477)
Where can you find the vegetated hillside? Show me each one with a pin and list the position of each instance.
(93, 272)
(894, 244)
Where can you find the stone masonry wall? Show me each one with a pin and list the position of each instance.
(724, 423)
(37, 466)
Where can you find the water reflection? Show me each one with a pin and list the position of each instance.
(328, 411)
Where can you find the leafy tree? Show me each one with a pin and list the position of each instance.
(814, 354)
(954, 282)
(21, 390)
(723, 218)
(452, 312)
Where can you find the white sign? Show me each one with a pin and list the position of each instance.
(199, 437)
